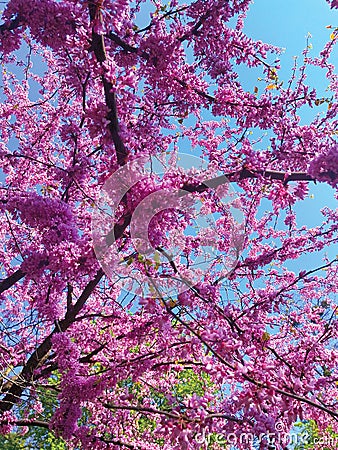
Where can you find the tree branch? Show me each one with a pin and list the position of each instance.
(98, 47)
(170, 414)
(11, 25)
(11, 280)
(245, 173)
(120, 42)
(26, 423)
(26, 375)
(142, 410)
(117, 442)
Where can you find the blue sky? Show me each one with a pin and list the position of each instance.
(286, 23)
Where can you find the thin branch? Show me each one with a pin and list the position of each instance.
(163, 16)
(118, 230)
(170, 414)
(73, 312)
(142, 409)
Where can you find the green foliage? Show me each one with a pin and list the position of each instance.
(13, 441)
(190, 383)
(214, 440)
(37, 437)
(146, 424)
(311, 437)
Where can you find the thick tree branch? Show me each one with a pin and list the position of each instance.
(98, 47)
(121, 43)
(117, 442)
(11, 280)
(118, 229)
(11, 24)
(26, 423)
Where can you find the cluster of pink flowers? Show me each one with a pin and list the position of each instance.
(324, 167)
